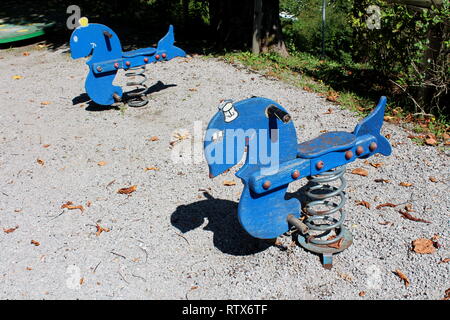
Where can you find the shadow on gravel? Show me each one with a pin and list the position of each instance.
(229, 237)
(92, 106)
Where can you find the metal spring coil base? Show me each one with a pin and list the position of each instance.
(137, 97)
(320, 192)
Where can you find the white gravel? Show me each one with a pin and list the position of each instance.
(168, 240)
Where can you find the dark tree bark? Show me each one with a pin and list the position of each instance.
(236, 25)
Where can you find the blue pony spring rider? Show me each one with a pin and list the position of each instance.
(103, 45)
(259, 127)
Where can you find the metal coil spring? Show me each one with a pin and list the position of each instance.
(319, 193)
(137, 97)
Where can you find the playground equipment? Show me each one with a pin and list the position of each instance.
(260, 127)
(100, 42)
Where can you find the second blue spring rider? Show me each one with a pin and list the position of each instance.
(274, 159)
(105, 49)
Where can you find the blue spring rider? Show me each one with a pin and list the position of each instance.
(105, 49)
(261, 127)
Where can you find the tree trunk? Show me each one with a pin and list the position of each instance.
(271, 34)
(257, 26)
(247, 23)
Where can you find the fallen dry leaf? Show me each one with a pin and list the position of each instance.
(408, 216)
(446, 260)
(151, 168)
(423, 246)
(154, 138)
(29, 268)
(430, 139)
(69, 205)
(45, 103)
(45, 146)
(193, 89)
(81, 281)
(40, 161)
(88, 203)
(101, 163)
(26, 53)
(229, 183)
(336, 244)
(363, 203)
(100, 230)
(391, 205)
(361, 172)
(332, 96)
(127, 190)
(330, 111)
(375, 165)
(35, 243)
(402, 276)
(17, 77)
(10, 230)
(447, 294)
(383, 180)
(362, 293)
(405, 184)
(433, 179)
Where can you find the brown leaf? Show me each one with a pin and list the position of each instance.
(29, 268)
(446, 260)
(101, 163)
(409, 207)
(69, 205)
(81, 281)
(361, 172)
(16, 77)
(430, 139)
(391, 205)
(10, 230)
(229, 183)
(362, 293)
(433, 179)
(40, 161)
(388, 136)
(405, 184)
(151, 168)
(330, 111)
(363, 203)
(383, 180)
(193, 89)
(336, 244)
(447, 294)
(26, 53)
(402, 276)
(45, 146)
(375, 165)
(423, 246)
(35, 243)
(100, 230)
(408, 216)
(332, 96)
(154, 138)
(127, 190)
(45, 103)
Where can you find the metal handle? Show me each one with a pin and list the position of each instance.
(303, 228)
(274, 111)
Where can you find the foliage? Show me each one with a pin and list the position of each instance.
(408, 50)
(305, 33)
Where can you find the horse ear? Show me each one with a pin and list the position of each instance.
(83, 21)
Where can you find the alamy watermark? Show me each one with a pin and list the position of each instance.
(228, 146)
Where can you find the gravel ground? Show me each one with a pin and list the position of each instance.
(168, 239)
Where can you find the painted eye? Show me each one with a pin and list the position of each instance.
(75, 39)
